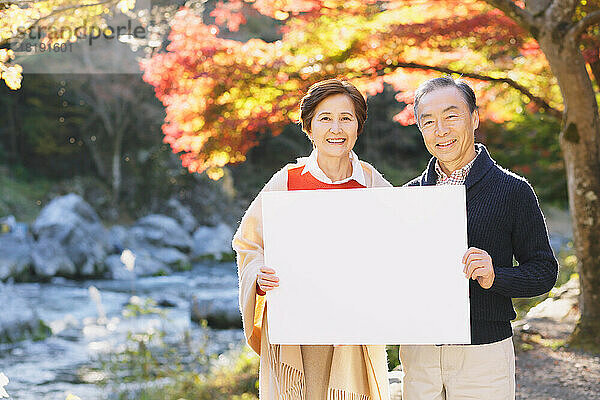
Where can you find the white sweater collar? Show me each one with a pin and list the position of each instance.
(312, 166)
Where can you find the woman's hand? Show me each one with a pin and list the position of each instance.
(266, 280)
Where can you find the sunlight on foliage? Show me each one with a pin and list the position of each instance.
(221, 94)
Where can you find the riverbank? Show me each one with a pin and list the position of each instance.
(89, 325)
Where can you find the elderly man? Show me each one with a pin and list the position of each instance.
(504, 220)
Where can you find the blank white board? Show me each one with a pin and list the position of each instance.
(367, 266)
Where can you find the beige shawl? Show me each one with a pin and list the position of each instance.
(281, 369)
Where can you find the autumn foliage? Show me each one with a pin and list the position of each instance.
(220, 93)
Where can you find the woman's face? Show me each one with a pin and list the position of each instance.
(334, 127)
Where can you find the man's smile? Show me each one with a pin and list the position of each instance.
(447, 144)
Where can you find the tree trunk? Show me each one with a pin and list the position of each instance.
(93, 147)
(96, 157)
(116, 167)
(580, 143)
(13, 154)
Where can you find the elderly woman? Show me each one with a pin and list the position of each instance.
(332, 115)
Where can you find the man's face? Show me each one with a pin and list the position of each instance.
(448, 127)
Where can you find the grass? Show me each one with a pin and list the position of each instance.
(233, 376)
(37, 331)
(177, 370)
(162, 371)
(393, 356)
(529, 341)
(222, 257)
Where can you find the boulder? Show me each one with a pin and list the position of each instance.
(18, 321)
(151, 258)
(15, 247)
(50, 258)
(74, 227)
(182, 214)
(117, 237)
(562, 305)
(144, 265)
(214, 241)
(8, 224)
(167, 301)
(170, 256)
(159, 231)
(116, 269)
(554, 317)
(219, 314)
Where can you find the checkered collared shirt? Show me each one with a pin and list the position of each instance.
(457, 177)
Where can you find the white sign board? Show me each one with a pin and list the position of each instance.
(367, 266)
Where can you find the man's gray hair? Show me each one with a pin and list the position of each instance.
(444, 82)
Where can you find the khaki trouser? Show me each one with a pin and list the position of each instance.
(455, 372)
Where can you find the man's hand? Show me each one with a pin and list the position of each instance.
(478, 265)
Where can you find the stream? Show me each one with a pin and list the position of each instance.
(88, 323)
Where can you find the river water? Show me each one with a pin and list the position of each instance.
(89, 324)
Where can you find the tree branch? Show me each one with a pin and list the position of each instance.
(583, 24)
(536, 99)
(562, 10)
(520, 16)
(77, 6)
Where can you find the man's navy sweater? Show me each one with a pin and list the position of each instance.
(504, 219)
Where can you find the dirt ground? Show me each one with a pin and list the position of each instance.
(548, 373)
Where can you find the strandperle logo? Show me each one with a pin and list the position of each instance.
(114, 45)
(84, 33)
